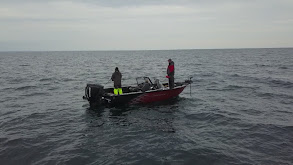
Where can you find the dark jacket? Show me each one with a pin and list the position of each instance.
(116, 77)
(171, 69)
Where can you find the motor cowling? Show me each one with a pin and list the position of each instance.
(94, 93)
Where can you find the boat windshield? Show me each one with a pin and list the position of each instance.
(141, 80)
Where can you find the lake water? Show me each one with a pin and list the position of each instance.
(239, 110)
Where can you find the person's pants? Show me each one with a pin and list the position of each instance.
(116, 90)
(171, 82)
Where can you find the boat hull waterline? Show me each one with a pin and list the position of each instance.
(97, 95)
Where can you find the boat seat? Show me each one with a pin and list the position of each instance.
(157, 84)
(146, 87)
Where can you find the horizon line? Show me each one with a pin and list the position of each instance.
(142, 49)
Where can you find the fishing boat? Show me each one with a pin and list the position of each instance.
(145, 91)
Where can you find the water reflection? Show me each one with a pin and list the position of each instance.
(157, 116)
(95, 111)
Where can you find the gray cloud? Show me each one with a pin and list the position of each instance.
(153, 24)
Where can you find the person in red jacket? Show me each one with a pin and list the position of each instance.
(170, 73)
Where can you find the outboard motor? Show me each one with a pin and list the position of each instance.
(94, 94)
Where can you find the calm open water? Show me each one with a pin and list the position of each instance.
(240, 110)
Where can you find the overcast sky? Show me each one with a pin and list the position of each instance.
(144, 24)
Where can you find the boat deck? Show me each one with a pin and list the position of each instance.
(135, 90)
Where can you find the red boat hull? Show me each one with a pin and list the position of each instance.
(154, 96)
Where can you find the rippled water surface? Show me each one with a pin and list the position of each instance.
(239, 111)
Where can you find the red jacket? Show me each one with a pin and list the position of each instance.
(171, 69)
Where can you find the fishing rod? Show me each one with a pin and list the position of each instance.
(190, 83)
(108, 81)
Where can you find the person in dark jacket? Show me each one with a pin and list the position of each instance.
(170, 73)
(116, 77)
